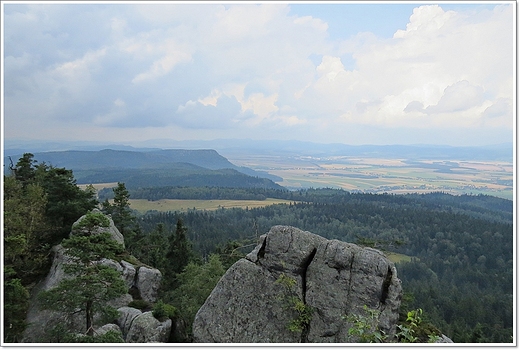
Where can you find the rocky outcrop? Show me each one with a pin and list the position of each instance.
(112, 229)
(252, 301)
(145, 282)
(142, 327)
(110, 327)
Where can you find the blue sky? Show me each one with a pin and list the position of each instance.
(355, 73)
(344, 19)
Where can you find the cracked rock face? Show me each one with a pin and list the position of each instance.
(334, 278)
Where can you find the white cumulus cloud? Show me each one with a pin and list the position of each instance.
(256, 69)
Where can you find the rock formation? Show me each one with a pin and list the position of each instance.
(261, 296)
(143, 280)
(142, 327)
(112, 229)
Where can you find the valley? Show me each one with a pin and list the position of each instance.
(382, 175)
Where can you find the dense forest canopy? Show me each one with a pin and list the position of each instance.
(456, 252)
(460, 248)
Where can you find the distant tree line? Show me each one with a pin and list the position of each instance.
(190, 176)
(479, 206)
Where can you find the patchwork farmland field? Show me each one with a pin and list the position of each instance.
(380, 175)
(143, 205)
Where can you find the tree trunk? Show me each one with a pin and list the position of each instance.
(89, 318)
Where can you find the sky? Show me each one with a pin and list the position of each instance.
(341, 72)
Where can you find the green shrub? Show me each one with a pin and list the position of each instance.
(415, 330)
(163, 311)
(140, 304)
(92, 220)
(293, 302)
(364, 328)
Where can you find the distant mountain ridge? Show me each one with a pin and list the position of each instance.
(109, 158)
(229, 147)
(108, 164)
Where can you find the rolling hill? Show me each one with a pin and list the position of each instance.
(172, 167)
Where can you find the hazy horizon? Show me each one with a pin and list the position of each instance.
(10, 143)
(350, 73)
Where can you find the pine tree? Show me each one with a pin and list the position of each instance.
(90, 284)
(122, 215)
(179, 254)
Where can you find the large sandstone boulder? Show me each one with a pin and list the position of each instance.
(147, 329)
(252, 303)
(139, 327)
(147, 282)
(126, 317)
(109, 327)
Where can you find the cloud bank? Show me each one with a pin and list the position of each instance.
(253, 70)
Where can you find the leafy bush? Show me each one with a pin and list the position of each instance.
(91, 221)
(140, 304)
(365, 327)
(293, 302)
(414, 330)
(16, 299)
(163, 311)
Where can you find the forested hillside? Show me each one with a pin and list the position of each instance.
(178, 174)
(97, 166)
(459, 249)
(455, 253)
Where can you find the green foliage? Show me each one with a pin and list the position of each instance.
(163, 311)
(60, 333)
(91, 221)
(195, 285)
(186, 175)
(415, 330)
(179, 253)
(83, 250)
(287, 282)
(304, 315)
(90, 284)
(40, 204)
(232, 251)
(302, 312)
(66, 202)
(108, 337)
(461, 280)
(25, 227)
(445, 235)
(364, 327)
(24, 171)
(122, 216)
(152, 249)
(16, 302)
(140, 304)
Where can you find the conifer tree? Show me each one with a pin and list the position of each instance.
(91, 284)
(179, 254)
(122, 215)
